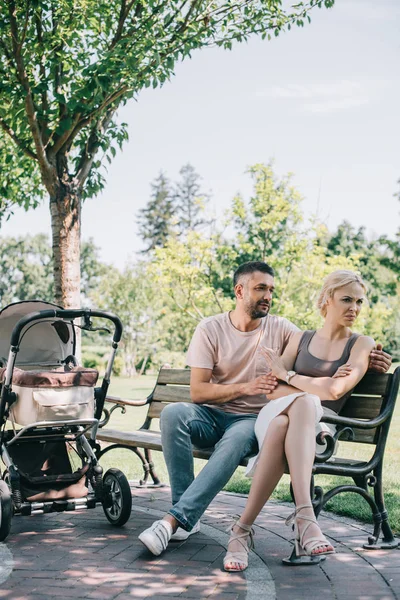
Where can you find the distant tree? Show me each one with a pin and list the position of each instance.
(373, 264)
(66, 66)
(156, 219)
(135, 298)
(391, 258)
(265, 227)
(92, 270)
(25, 269)
(190, 201)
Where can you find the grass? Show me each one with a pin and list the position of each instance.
(350, 504)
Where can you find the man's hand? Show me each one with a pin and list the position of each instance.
(264, 384)
(379, 361)
(275, 362)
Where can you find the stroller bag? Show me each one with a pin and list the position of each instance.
(52, 395)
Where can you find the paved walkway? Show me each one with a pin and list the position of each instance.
(79, 555)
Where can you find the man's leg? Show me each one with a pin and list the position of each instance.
(182, 426)
(237, 441)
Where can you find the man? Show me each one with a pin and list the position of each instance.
(229, 385)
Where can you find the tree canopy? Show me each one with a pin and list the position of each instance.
(161, 297)
(66, 66)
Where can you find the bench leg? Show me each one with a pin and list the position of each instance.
(147, 464)
(388, 540)
(361, 488)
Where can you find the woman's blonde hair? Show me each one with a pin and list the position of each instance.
(333, 282)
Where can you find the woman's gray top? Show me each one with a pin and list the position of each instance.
(307, 364)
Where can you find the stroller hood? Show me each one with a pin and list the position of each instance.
(42, 342)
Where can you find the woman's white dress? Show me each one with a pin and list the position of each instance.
(275, 408)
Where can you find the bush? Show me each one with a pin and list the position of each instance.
(93, 360)
(118, 366)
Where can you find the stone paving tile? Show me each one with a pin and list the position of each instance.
(80, 556)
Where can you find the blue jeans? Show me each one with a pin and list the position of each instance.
(184, 425)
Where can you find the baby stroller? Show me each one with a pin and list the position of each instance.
(50, 410)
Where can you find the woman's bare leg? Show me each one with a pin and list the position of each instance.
(270, 468)
(300, 453)
(271, 462)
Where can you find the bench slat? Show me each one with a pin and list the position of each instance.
(374, 384)
(155, 409)
(146, 439)
(175, 376)
(362, 407)
(163, 393)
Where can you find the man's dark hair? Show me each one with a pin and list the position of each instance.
(252, 267)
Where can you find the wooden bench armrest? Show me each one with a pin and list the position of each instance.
(127, 401)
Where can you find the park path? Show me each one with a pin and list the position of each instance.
(79, 555)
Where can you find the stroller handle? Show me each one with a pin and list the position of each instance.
(65, 314)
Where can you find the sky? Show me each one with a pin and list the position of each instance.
(321, 101)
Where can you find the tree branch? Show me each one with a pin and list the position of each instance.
(29, 103)
(123, 15)
(86, 120)
(92, 146)
(65, 137)
(42, 70)
(9, 131)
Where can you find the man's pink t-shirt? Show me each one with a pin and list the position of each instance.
(233, 355)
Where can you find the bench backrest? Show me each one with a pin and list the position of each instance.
(371, 396)
(173, 385)
(369, 399)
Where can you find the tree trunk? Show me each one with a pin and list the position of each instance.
(65, 209)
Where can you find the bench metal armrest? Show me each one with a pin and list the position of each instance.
(360, 424)
(120, 403)
(127, 401)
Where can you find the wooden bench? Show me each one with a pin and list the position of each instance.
(365, 418)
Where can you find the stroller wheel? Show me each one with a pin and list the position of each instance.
(5, 510)
(117, 497)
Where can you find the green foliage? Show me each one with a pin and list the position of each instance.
(26, 269)
(94, 360)
(19, 179)
(133, 297)
(155, 221)
(379, 264)
(194, 278)
(92, 269)
(189, 202)
(265, 227)
(67, 65)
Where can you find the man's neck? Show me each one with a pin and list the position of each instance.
(242, 321)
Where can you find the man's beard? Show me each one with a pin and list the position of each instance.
(254, 311)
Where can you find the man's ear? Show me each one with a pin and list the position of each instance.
(239, 291)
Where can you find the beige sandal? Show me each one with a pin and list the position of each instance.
(241, 557)
(308, 547)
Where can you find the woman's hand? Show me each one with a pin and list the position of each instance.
(343, 370)
(274, 362)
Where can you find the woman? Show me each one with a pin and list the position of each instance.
(322, 364)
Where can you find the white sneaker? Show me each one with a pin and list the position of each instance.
(156, 537)
(181, 534)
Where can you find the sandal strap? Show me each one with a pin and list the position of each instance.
(247, 535)
(313, 542)
(290, 519)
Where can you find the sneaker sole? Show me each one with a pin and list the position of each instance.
(181, 537)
